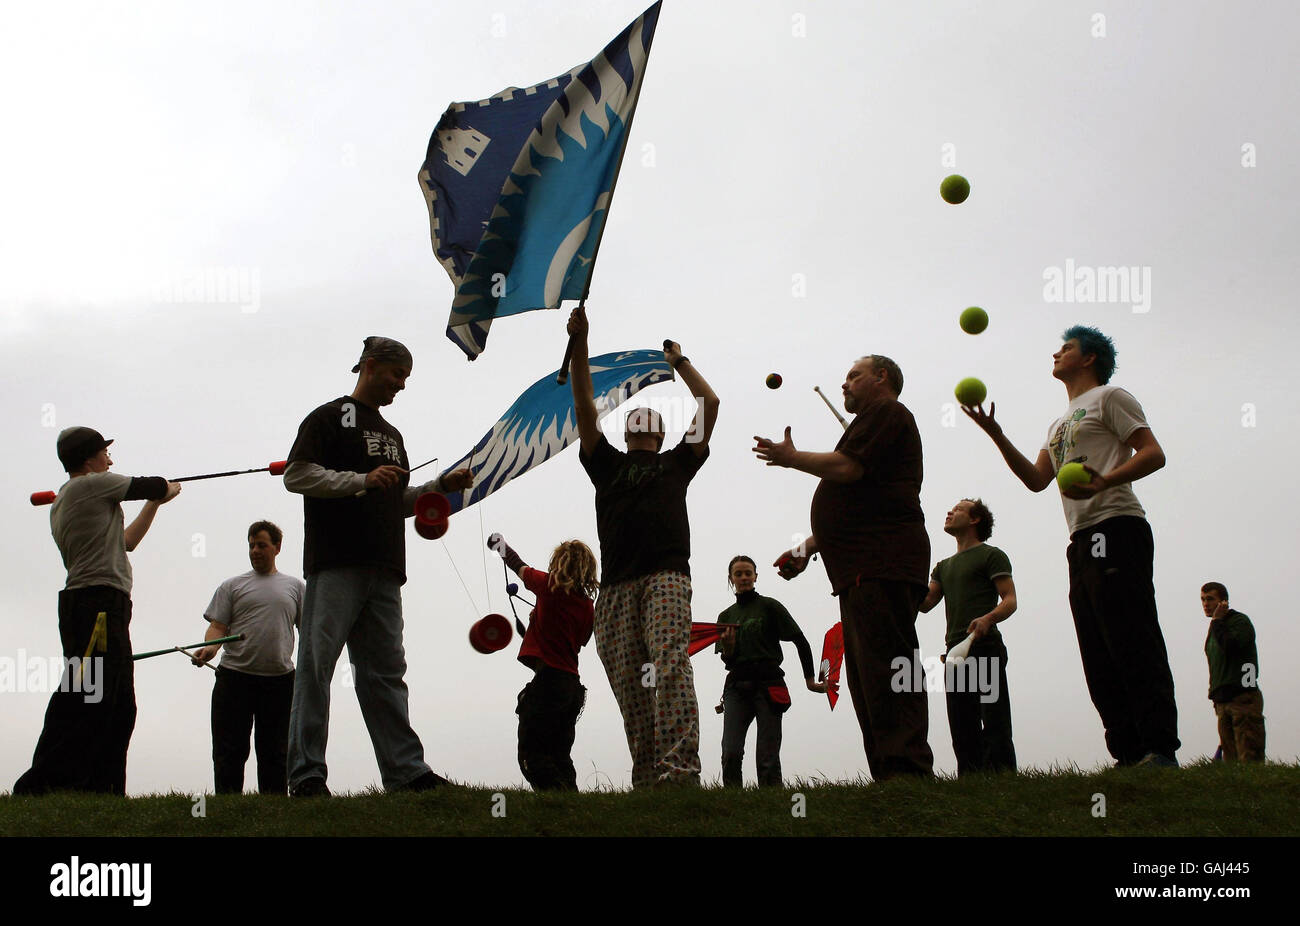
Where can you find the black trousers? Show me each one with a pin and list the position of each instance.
(240, 700)
(1125, 663)
(83, 744)
(879, 619)
(548, 713)
(981, 728)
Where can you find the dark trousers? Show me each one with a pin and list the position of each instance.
(981, 729)
(548, 713)
(742, 703)
(1125, 663)
(879, 620)
(83, 744)
(257, 704)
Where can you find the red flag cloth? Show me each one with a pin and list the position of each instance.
(705, 635)
(832, 659)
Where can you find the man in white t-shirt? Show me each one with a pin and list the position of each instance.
(254, 687)
(1111, 550)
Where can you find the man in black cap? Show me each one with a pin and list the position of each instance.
(350, 466)
(90, 718)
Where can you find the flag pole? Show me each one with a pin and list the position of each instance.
(563, 376)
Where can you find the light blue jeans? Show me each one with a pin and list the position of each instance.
(359, 606)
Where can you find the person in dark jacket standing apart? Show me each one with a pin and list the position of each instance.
(1111, 554)
(1233, 656)
(84, 741)
(643, 615)
(350, 466)
(254, 686)
(755, 688)
(868, 526)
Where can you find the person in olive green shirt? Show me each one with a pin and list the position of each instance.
(1234, 677)
(978, 594)
(755, 686)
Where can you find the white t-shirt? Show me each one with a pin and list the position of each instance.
(1093, 430)
(87, 524)
(265, 609)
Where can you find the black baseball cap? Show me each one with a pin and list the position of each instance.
(77, 445)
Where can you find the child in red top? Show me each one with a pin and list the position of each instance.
(559, 626)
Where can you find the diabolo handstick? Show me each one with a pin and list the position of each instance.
(180, 649)
(275, 469)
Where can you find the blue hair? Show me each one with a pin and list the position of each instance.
(1092, 341)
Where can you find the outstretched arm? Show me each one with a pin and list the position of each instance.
(835, 466)
(1037, 475)
(706, 416)
(584, 400)
(138, 527)
(497, 544)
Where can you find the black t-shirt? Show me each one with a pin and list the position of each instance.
(348, 436)
(874, 528)
(641, 509)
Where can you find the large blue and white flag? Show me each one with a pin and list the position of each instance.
(518, 185)
(541, 423)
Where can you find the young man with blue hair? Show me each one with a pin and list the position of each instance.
(1111, 552)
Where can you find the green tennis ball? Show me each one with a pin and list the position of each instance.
(974, 320)
(954, 189)
(970, 391)
(1072, 474)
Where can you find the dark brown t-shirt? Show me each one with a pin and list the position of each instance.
(874, 528)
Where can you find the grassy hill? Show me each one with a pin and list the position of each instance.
(1201, 800)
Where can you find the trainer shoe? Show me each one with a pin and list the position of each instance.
(310, 787)
(1156, 760)
(426, 782)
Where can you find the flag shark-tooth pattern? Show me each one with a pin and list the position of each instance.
(541, 422)
(539, 228)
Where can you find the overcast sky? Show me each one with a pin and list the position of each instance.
(778, 211)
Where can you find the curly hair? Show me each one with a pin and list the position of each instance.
(980, 511)
(1092, 341)
(573, 569)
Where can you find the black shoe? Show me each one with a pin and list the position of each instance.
(311, 787)
(426, 782)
